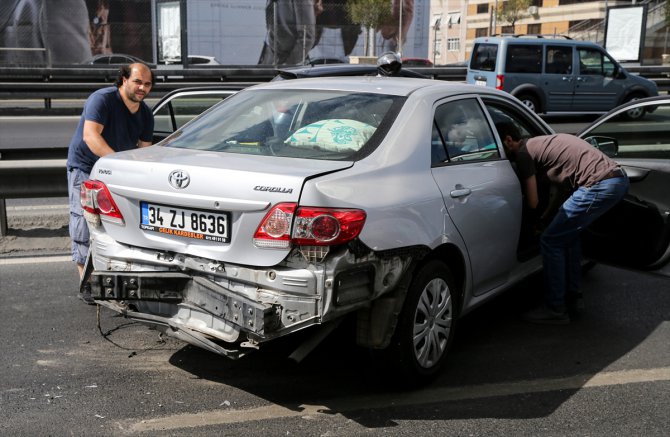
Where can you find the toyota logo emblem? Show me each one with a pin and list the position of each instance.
(179, 179)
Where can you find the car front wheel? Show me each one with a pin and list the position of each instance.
(426, 325)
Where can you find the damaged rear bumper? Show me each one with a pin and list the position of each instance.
(191, 308)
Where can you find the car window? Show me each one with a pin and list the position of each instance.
(309, 124)
(462, 130)
(484, 57)
(643, 138)
(594, 62)
(183, 108)
(502, 112)
(559, 60)
(523, 58)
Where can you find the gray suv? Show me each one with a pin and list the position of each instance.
(555, 75)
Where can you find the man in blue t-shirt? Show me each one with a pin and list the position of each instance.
(114, 119)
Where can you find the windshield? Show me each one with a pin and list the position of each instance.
(313, 124)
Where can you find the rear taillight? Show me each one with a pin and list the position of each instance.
(274, 230)
(500, 81)
(287, 223)
(97, 202)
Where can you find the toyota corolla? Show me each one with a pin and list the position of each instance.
(293, 204)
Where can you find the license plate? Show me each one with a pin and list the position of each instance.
(480, 82)
(187, 223)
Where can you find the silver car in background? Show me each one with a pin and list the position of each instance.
(292, 204)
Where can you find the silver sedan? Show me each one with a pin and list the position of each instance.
(293, 204)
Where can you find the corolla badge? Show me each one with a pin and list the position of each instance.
(179, 179)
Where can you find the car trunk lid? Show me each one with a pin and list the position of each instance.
(202, 203)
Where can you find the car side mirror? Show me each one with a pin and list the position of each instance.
(618, 73)
(609, 146)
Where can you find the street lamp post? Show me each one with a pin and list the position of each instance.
(436, 27)
(402, 2)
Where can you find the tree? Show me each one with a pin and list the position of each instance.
(511, 11)
(370, 14)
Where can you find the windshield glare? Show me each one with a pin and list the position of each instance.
(331, 125)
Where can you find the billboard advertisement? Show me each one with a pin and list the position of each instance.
(234, 32)
(625, 32)
(65, 32)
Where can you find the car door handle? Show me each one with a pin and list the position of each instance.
(567, 78)
(636, 174)
(581, 79)
(460, 192)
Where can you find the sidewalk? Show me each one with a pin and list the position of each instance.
(36, 235)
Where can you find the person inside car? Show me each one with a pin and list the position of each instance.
(596, 183)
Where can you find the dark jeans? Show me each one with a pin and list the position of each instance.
(560, 242)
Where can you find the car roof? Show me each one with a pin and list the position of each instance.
(400, 86)
(337, 70)
(533, 39)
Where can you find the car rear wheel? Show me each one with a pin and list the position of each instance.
(634, 113)
(530, 101)
(426, 325)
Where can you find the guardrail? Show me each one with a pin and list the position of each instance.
(41, 172)
(77, 83)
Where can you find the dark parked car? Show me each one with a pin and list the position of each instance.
(338, 70)
(114, 59)
(417, 62)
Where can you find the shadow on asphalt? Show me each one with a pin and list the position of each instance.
(37, 240)
(492, 346)
(38, 232)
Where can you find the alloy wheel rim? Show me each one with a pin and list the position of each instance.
(635, 112)
(432, 323)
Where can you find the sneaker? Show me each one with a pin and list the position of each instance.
(546, 316)
(85, 295)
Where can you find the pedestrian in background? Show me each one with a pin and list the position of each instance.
(35, 32)
(114, 119)
(596, 182)
(291, 31)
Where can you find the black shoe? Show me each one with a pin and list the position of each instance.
(576, 305)
(85, 295)
(546, 316)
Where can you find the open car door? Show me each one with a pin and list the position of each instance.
(636, 232)
(182, 105)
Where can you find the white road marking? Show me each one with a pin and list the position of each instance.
(36, 207)
(426, 396)
(35, 260)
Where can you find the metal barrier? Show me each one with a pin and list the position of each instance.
(30, 178)
(41, 173)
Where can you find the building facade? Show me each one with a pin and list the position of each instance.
(456, 23)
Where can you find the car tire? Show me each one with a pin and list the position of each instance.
(530, 101)
(426, 324)
(636, 113)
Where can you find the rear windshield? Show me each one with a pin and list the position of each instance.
(312, 124)
(484, 57)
